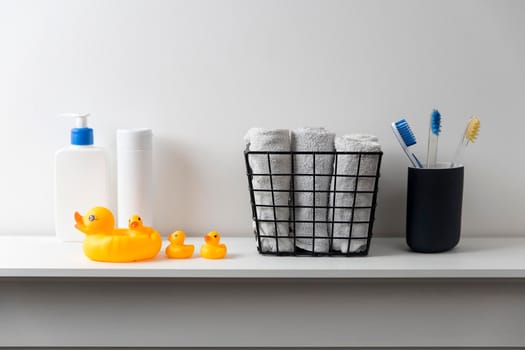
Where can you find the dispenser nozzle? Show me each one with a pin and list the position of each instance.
(81, 118)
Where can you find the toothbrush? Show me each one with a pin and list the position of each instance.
(433, 133)
(470, 135)
(406, 138)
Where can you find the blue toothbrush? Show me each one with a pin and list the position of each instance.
(406, 138)
(433, 133)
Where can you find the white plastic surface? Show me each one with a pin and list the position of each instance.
(81, 182)
(135, 175)
(498, 257)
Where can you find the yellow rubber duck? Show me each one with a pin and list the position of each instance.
(136, 226)
(177, 249)
(212, 249)
(104, 242)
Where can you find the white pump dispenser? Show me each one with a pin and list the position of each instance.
(81, 179)
(80, 119)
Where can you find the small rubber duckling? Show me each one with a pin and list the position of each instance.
(136, 225)
(177, 249)
(212, 249)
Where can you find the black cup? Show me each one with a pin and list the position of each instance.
(434, 201)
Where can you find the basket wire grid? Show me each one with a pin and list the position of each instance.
(330, 220)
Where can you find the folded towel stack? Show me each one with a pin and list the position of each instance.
(297, 194)
(356, 220)
(271, 141)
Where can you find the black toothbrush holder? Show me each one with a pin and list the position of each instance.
(434, 203)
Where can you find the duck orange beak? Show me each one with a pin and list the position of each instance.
(207, 239)
(80, 223)
(134, 224)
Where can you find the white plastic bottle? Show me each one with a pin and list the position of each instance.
(81, 179)
(134, 175)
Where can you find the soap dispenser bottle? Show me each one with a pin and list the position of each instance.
(81, 179)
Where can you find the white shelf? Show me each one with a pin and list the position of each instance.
(40, 256)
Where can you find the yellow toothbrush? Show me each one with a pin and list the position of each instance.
(470, 135)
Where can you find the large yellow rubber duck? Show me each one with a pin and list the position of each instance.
(212, 249)
(104, 242)
(177, 249)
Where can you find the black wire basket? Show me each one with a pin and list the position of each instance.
(313, 203)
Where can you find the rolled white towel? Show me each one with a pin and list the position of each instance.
(312, 140)
(361, 137)
(258, 139)
(347, 165)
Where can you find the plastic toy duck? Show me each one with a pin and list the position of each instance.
(104, 242)
(177, 249)
(136, 226)
(212, 249)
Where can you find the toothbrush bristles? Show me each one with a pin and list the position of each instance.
(472, 129)
(435, 122)
(406, 133)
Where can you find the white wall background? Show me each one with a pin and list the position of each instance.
(200, 73)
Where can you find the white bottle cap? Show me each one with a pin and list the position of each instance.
(134, 139)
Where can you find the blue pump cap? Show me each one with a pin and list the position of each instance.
(82, 136)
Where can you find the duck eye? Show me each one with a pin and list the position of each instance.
(214, 236)
(91, 218)
(140, 219)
